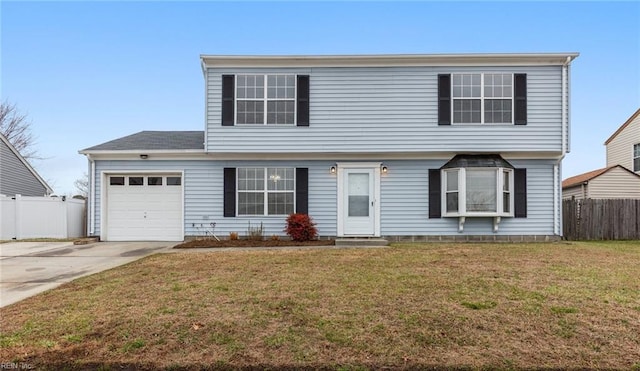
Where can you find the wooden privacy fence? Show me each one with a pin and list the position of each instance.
(601, 219)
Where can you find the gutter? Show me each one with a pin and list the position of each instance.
(92, 198)
(557, 167)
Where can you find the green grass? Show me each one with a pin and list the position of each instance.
(477, 306)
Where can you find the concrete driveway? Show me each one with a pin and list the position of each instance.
(29, 268)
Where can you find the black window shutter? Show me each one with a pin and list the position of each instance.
(302, 190)
(520, 98)
(228, 93)
(520, 195)
(444, 99)
(302, 109)
(434, 193)
(229, 192)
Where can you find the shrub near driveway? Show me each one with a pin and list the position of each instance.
(442, 305)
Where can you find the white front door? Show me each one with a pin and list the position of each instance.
(358, 201)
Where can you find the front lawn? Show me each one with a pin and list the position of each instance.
(560, 305)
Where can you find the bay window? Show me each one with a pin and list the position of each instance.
(469, 190)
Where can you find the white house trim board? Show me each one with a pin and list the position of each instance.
(104, 197)
(340, 178)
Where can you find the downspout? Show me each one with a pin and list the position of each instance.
(557, 217)
(92, 197)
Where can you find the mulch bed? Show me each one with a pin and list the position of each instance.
(250, 243)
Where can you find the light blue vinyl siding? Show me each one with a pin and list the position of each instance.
(385, 110)
(404, 198)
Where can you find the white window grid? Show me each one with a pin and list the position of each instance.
(265, 189)
(263, 96)
(636, 157)
(482, 92)
(462, 193)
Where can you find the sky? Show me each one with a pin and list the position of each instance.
(88, 72)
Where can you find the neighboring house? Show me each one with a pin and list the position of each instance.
(435, 146)
(618, 179)
(610, 182)
(623, 147)
(17, 176)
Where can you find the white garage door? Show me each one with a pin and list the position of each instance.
(144, 207)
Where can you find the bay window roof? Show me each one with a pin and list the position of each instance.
(481, 160)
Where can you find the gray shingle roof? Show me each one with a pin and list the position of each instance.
(154, 140)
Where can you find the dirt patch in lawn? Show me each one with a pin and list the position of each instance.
(250, 243)
(429, 306)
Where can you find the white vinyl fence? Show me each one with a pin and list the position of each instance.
(40, 217)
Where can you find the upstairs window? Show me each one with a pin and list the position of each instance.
(265, 99)
(482, 98)
(636, 157)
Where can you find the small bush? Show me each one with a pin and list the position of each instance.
(255, 233)
(300, 227)
(275, 237)
(233, 236)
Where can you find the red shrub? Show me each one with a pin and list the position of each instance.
(300, 227)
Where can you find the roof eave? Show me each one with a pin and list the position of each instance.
(89, 151)
(387, 60)
(622, 127)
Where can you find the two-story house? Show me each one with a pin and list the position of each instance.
(436, 146)
(621, 177)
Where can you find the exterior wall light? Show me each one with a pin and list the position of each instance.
(384, 169)
(333, 169)
(144, 157)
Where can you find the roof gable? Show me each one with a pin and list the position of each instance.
(624, 126)
(26, 164)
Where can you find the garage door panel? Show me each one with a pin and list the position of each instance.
(144, 212)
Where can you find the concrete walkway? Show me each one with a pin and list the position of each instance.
(29, 268)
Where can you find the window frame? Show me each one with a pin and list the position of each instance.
(635, 156)
(462, 193)
(265, 99)
(265, 191)
(482, 98)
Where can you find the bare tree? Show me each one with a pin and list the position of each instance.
(17, 129)
(82, 185)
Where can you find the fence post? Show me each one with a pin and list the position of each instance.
(18, 215)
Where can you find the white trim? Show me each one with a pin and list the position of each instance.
(302, 155)
(372, 156)
(633, 156)
(557, 195)
(48, 190)
(140, 151)
(462, 194)
(342, 166)
(92, 196)
(103, 194)
(387, 60)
